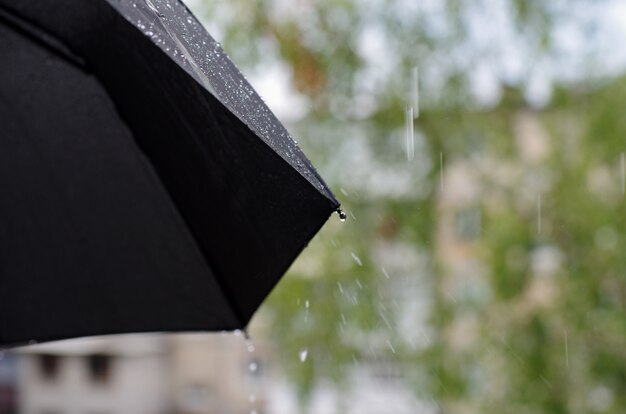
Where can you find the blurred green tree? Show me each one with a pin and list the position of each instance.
(481, 263)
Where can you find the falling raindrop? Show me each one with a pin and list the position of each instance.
(415, 92)
(441, 171)
(355, 299)
(385, 272)
(357, 259)
(306, 304)
(303, 353)
(623, 170)
(538, 213)
(566, 349)
(249, 344)
(252, 397)
(545, 381)
(410, 135)
(253, 366)
(382, 316)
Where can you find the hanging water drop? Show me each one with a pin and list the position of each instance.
(342, 215)
(303, 353)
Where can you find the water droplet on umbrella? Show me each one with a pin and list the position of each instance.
(303, 354)
(153, 8)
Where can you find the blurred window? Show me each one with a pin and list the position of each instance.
(49, 366)
(99, 366)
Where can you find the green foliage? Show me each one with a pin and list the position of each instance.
(523, 315)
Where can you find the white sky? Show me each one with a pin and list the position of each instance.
(492, 54)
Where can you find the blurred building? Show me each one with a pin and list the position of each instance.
(8, 384)
(133, 374)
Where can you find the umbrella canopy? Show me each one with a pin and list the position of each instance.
(145, 186)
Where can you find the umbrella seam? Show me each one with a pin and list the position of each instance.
(41, 37)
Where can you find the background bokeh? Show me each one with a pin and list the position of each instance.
(482, 266)
(477, 147)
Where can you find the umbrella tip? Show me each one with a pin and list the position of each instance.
(342, 214)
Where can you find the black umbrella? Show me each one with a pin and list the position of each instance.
(144, 185)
